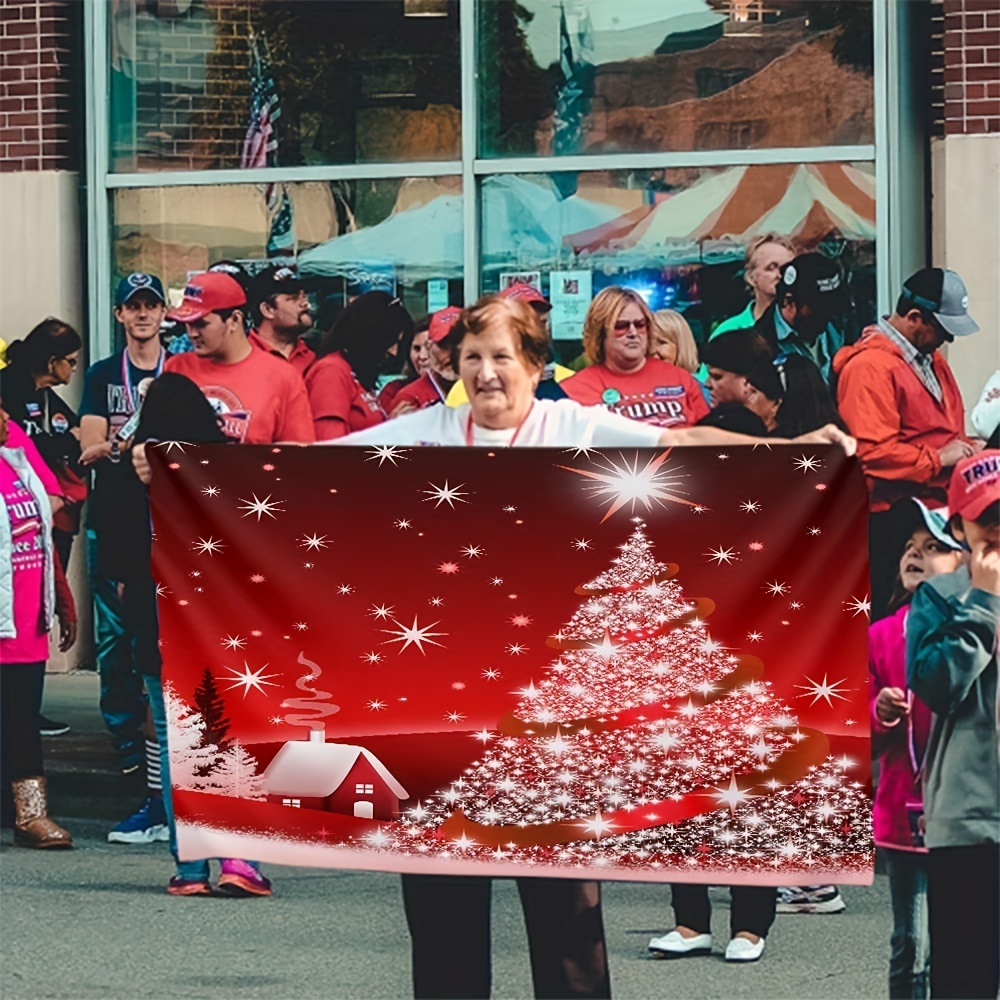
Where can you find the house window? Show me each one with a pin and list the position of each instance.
(364, 789)
(294, 803)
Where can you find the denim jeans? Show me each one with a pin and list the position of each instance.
(123, 702)
(909, 946)
(188, 870)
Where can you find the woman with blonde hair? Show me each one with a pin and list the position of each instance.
(766, 255)
(672, 340)
(625, 376)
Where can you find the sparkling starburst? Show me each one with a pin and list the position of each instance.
(380, 611)
(581, 544)
(208, 546)
(233, 642)
(858, 605)
(372, 657)
(413, 635)
(449, 568)
(472, 551)
(776, 589)
(375, 705)
(721, 555)
(261, 507)
(313, 542)
(824, 689)
(446, 494)
(211, 491)
(807, 464)
(402, 524)
(386, 453)
(248, 679)
(454, 717)
(750, 506)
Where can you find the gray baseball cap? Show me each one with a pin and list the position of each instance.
(944, 294)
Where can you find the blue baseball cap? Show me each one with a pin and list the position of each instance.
(138, 281)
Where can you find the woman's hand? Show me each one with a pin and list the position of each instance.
(95, 452)
(141, 464)
(402, 409)
(67, 633)
(830, 434)
(891, 705)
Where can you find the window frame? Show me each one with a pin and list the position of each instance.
(900, 222)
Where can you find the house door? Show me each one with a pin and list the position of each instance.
(364, 810)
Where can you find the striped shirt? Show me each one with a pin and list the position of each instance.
(922, 364)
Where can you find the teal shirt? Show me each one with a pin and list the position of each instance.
(739, 322)
(821, 353)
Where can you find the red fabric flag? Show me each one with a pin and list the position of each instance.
(637, 665)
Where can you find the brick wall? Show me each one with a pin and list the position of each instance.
(40, 84)
(971, 42)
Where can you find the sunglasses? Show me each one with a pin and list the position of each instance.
(622, 326)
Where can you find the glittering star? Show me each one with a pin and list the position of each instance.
(627, 484)
(815, 531)
(484, 735)
(520, 621)
(300, 626)
(385, 453)
(581, 450)
(722, 457)
(313, 542)
(491, 673)
(453, 717)
(276, 720)
(402, 524)
(509, 509)
(605, 648)
(515, 648)
(257, 578)
(721, 555)
(208, 546)
(756, 546)
(233, 642)
(211, 491)
(776, 589)
(161, 591)
(445, 494)
(435, 602)
(172, 445)
(731, 796)
(823, 689)
(448, 568)
(414, 635)
(807, 464)
(581, 544)
(375, 705)
(345, 588)
(472, 551)
(794, 605)
(598, 826)
(859, 605)
(380, 611)
(755, 636)
(496, 581)
(750, 506)
(249, 679)
(372, 657)
(261, 507)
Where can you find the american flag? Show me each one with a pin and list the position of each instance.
(571, 105)
(260, 146)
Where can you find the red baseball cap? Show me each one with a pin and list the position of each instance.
(442, 322)
(528, 293)
(975, 484)
(208, 292)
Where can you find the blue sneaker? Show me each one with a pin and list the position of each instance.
(146, 825)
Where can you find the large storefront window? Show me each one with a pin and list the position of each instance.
(355, 81)
(673, 75)
(401, 235)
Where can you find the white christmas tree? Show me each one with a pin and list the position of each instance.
(191, 764)
(236, 774)
(649, 743)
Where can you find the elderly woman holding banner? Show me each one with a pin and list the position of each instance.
(499, 347)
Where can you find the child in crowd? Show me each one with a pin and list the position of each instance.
(951, 658)
(900, 729)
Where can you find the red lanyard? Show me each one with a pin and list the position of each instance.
(514, 436)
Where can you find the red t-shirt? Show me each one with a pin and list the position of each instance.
(300, 359)
(421, 392)
(659, 393)
(340, 403)
(387, 396)
(261, 399)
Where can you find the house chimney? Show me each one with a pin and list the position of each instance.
(317, 735)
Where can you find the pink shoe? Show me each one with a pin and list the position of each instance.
(239, 878)
(178, 886)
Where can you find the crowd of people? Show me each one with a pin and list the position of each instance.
(248, 370)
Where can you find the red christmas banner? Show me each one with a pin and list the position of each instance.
(631, 665)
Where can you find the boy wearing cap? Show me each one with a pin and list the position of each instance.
(259, 399)
(281, 315)
(435, 383)
(899, 398)
(952, 635)
(112, 390)
(811, 292)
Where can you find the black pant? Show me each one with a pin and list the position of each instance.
(449, 921)
(963, 903)
(752, 909)
(885, 546)
(20, 703)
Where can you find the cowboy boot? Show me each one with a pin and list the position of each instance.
(32, 827)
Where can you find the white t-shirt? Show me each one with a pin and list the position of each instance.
(552, 423)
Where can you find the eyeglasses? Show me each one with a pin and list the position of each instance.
(622, 326)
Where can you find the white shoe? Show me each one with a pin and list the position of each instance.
(742, 950)
(675, 945)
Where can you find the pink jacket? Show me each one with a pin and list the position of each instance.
(898, 783)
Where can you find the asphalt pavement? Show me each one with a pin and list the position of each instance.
(96, 921)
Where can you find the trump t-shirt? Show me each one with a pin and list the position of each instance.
(259, 400)
(659, 393)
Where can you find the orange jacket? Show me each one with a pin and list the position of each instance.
(899, 425)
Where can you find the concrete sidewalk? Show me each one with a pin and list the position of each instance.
(96, 922)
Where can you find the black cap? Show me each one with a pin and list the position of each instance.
(737, 351)
(237, 272)
(814, 279)
(764, 377)
(274, 280)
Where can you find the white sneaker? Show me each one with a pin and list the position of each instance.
(742, 950)
(675, 945)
